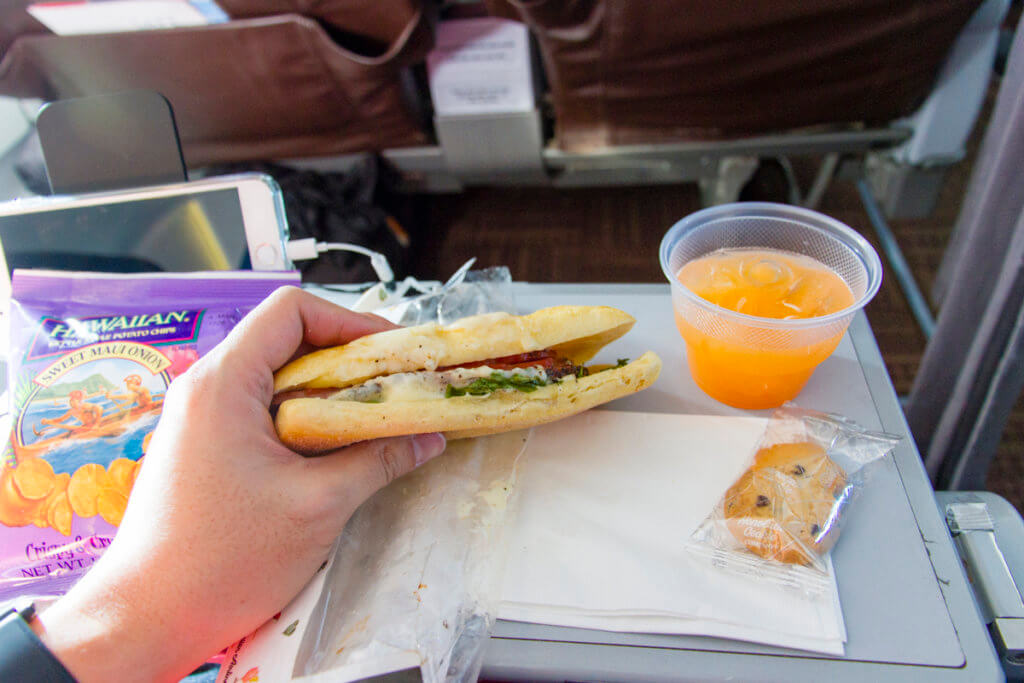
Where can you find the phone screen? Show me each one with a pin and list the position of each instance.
(186, 232)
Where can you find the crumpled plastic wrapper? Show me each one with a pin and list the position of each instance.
(483, 291)
(419, 568)
(480, 291)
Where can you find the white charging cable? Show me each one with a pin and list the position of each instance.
(385, 293)
(308, 249)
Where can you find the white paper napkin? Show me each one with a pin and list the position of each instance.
(608, 501)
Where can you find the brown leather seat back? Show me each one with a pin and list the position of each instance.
(267, 87)
(626, 72)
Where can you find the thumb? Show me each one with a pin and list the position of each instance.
(358, 471)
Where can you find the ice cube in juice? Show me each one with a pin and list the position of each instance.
(750, 367)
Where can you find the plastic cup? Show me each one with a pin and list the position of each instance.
(752, 362)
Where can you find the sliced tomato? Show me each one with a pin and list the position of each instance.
(544, 359)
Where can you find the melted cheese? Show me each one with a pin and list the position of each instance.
(425, 386)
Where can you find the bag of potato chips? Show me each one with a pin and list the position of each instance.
(91, 356)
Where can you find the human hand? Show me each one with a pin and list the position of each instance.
(225, 524)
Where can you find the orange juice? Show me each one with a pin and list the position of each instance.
(750, 366)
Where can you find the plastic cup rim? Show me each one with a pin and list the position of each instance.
(810, 219)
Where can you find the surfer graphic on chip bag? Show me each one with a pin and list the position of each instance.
(87, 414)
(137, 394)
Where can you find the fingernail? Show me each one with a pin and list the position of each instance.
(427, 446)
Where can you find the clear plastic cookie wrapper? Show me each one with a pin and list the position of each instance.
(778, 521)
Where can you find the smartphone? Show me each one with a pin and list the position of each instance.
(220, 223)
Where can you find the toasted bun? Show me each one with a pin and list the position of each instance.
(576, 332)
(312, 425)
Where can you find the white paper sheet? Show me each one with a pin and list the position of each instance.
(480, 66)
(608, 501)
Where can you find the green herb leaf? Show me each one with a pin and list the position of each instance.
(290, 629)
(482, 386)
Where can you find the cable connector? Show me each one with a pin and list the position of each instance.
(302, 250)
(308, 249)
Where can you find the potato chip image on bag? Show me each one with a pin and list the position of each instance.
(91, 358)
